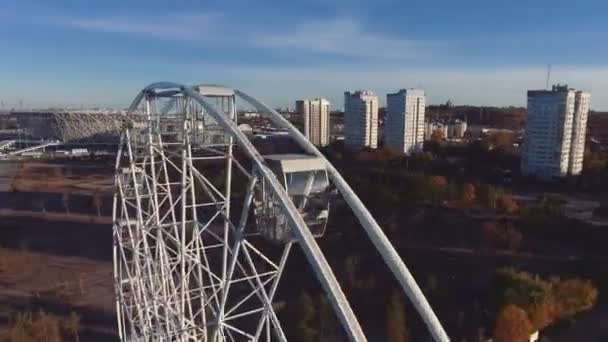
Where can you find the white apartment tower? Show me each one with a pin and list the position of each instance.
(554, 141)
(315, 114)
(404, 125)
(360, 119)
(582, 101)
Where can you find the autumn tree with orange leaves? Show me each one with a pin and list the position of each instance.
(507, 204)
(512, 325)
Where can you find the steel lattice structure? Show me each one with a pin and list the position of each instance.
(82, 125)
(70, 126)
(190, 265)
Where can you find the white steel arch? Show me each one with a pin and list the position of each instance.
(184, 267)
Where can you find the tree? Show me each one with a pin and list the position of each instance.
(544, 300)
(39, 202)
(500, 236)
(420, 160)
(512, 325)
(98, 201)
(543, 313)
(437, 136)
(72, 324)
(575, 295)
(365, 156)
(388, 153)
(594, 163)
(438, 181)
(437, 186)
(47, 327)
(419, 189)
(38, 327)
(305, 329)
(520, 288)
(351, 268)
(490, 234)
(468, 194)
(501, 139)
(327, 319)
(489, 195)
(432, 284)
(553, 204)
(65, 198)
(396, 328)
(507, 204)
(20, 328)
(511, 238)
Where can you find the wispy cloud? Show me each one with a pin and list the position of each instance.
(184, 26)
(339, 36)
(343, 36)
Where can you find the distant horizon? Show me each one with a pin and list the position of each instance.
(289, 107)
(101, 54)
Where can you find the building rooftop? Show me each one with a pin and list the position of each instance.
(360, 93)
(556, 88)
(415, 91)
(296, 162)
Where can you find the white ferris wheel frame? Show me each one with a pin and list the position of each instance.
(157, 285)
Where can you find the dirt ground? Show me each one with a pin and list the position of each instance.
(30, 281)
(43, 177)
(55, 259)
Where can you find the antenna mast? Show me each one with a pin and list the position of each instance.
(548, 76)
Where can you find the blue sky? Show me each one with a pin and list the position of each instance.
(101, 53)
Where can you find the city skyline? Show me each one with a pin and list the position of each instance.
(473, 53)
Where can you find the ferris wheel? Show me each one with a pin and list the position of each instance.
(192, 222)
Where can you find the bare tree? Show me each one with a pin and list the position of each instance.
(66, 202)
(71, 325)
(98, 201)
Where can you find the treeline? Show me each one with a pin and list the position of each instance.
(387, 180)
(499, 117)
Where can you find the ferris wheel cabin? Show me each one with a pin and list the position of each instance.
(305, 180)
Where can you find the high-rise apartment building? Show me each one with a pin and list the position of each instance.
(360, 119)
(582, 101)
(315, 114)
(404, 124)
(554, 141)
